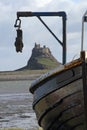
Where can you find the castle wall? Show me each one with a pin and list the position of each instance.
(41, 50)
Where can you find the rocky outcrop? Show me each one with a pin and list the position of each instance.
(41, 58)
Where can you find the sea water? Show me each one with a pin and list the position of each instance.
(16, 105)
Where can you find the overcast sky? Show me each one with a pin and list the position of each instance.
(34, 31)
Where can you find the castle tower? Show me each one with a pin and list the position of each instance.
(41, 58)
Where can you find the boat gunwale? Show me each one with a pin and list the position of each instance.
(45, 77)
(36, 101)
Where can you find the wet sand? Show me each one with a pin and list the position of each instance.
(16, 105)
(16, 100)
(16, 111)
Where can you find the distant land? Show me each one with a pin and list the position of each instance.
(40, 62)
(21, 75)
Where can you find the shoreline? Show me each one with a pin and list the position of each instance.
(21, 75)
(18, 77)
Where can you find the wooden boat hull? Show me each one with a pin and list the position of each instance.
(59, 101)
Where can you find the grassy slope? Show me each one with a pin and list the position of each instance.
(47, 62)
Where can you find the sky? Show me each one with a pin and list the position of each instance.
(34, 31)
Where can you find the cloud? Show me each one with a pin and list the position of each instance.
(4, 13)
(42, 3)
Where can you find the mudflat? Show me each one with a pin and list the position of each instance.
(16, 101)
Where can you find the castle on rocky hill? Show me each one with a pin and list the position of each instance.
(41, 58)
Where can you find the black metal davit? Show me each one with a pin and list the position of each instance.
(18, 42)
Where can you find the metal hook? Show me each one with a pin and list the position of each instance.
(17, 23)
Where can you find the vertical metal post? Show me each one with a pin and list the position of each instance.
(84, 19)
(82, 35)
(84, 79)
(64, 40)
